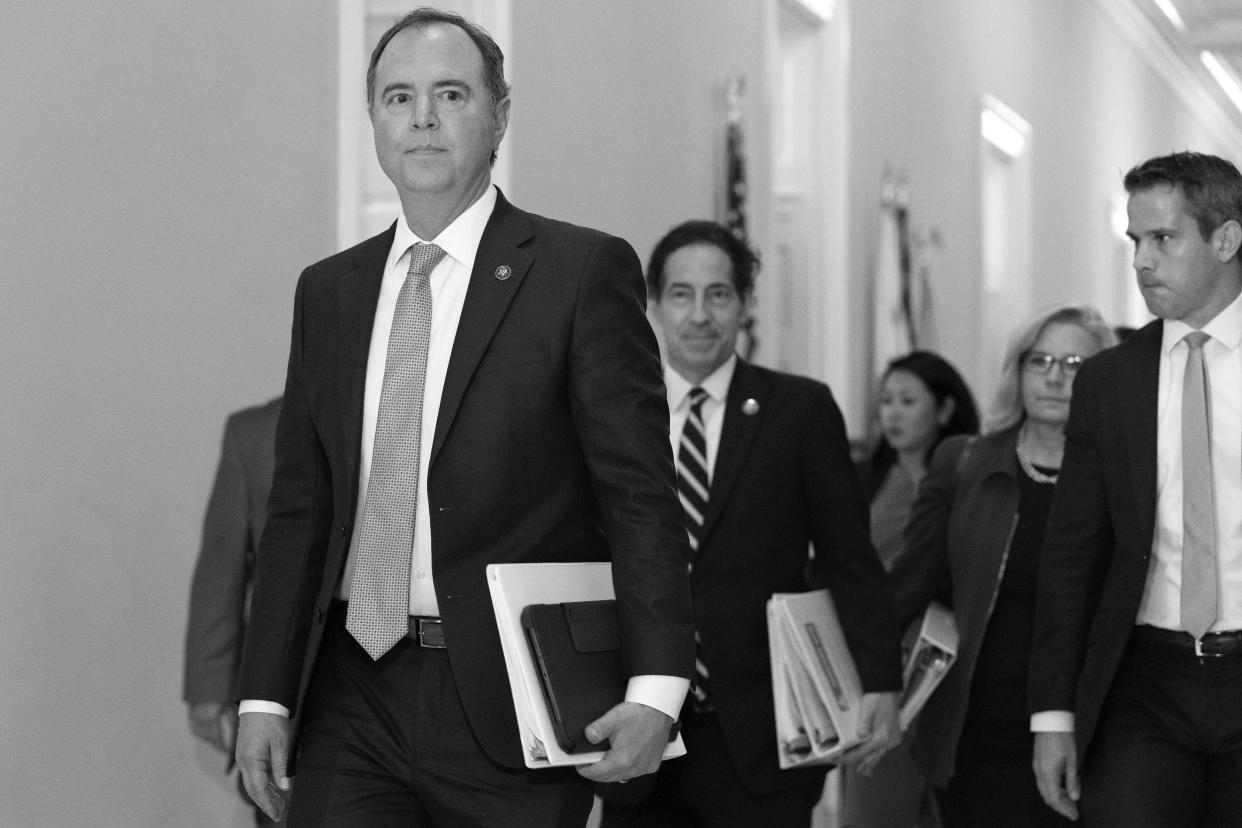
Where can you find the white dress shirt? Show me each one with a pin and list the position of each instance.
(1162, 595)
(449, 280)
(1222, 356)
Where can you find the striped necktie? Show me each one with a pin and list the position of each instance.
(693, 486)
(1199, 582)
(379, 596)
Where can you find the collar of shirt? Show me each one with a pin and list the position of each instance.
(1225, 328)
(716, 384)
(460, 239)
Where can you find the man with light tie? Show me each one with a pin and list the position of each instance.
(1136, 672)
(476, 385)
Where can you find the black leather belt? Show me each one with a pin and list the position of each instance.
(1211, 645)
(427, 632)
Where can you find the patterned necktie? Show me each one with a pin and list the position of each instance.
(1199, 591)
(693, 483)
(379, 597)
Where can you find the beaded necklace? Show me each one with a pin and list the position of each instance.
(1026, 464)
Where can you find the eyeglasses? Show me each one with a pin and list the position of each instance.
(1037, 362)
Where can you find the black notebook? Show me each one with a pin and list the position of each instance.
(577, 648)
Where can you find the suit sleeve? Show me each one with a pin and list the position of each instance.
(620, 412)
(290, 561)
(922, 571)
(845, 561)
(218, 591)
(1074, 553)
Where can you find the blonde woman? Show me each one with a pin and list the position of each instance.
(976, 527)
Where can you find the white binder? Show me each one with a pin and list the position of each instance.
(514, 586)
(815, 684)
(929, 650)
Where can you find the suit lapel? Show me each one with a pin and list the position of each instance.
(487, 299)
(736, 436)
(357, 295)
(1137, 385)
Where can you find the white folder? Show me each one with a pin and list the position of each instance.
(513, 587)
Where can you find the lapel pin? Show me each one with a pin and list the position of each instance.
(750, 407)
(503, 272)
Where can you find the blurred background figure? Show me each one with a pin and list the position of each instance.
(922, 401)
(220, 591)
(978, 521)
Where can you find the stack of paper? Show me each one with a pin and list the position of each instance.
(815, 684)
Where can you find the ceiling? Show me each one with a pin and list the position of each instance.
(1195, 27)
(1215, 25)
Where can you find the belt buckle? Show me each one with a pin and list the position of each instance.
(1201, 654)
(422, 641)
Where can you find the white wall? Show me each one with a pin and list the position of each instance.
(166, 166)
(618, 110)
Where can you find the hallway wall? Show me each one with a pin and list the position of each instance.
(166, 168)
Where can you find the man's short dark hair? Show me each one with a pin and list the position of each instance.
(493, 58)
(1211, 186)
(744, 260)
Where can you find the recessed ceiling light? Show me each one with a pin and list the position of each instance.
(1170, 11)
(1227, 79)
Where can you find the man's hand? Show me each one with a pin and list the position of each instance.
(1056, 771)
(215, 723)
(880, 731)
(638, 735)
(262, 750)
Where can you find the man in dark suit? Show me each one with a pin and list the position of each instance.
(220, 590)
(476, 385)
(764, 473)
(1136, 673)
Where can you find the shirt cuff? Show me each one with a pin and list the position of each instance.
(1052, 721)
(256, 706)
(664, 693)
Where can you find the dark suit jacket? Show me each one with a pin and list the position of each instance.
(783, 481)
(1097, 547)
(551, 445)
(222, 576)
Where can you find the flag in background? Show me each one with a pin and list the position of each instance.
(735, 161)
(903, 312)
(925, 334)
(735, 189)
(891, 335)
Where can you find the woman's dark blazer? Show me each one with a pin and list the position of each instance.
(959, 533)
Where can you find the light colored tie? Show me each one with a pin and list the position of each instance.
(1199, 580)
(379, 597)
(693, 486)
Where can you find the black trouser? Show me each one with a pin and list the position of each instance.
(702, 790)
(387, 743)
(1168, 749)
